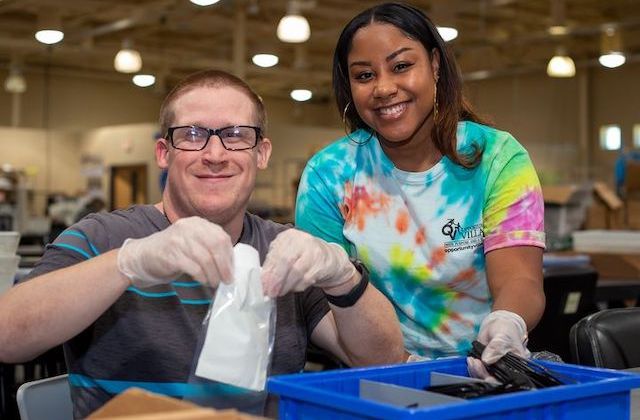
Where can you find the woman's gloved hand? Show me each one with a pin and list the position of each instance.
(501, 331)
(297, 260)
(192, 246)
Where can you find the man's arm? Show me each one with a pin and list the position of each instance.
(363, 334)
(52, 308)
(367, 330)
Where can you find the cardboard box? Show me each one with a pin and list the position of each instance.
(565, 210)
(137, 404)
(572, 207)
(616, 266)
(560, 195)
(615, 254)
(606, 211)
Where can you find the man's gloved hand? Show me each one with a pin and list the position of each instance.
(297, 260)
(192, 246)
(501, 332)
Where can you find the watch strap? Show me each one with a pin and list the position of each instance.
(350, 298)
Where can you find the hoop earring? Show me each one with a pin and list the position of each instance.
(435, 100)
(344, 115)
(346, 131)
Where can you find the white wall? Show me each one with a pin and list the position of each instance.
(546, 115)
(48, 159)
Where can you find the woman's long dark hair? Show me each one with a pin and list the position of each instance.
(452, 106)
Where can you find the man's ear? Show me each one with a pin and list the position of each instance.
(264, 153)
(162, 153)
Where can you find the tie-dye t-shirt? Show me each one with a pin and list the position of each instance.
(424, 235)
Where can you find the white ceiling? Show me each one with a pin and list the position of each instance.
(176, 37)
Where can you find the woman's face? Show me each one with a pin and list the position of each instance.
(392, 83)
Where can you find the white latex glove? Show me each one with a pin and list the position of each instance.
(297, 260)
(192, 246)
(501, 332)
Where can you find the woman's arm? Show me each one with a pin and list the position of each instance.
(514, 275)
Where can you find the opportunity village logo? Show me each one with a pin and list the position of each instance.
(462, 238)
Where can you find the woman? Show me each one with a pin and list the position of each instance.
(446, 212)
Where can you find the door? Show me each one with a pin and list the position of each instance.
(128, 186)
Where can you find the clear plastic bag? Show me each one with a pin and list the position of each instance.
(232, 360)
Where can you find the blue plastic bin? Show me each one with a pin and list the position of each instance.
(597, 394)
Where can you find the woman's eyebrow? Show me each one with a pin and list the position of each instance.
(388, 58)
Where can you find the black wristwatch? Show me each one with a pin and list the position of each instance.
(350, 298)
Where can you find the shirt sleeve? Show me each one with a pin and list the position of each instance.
(318, 208)
(514, 207)
(315, 306)
(72, 246)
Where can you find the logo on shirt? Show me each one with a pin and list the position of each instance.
(462, 238)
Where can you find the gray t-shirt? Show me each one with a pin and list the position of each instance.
(148, 338)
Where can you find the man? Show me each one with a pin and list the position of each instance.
(108, 288)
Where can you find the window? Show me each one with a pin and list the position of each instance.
(636, 136)
(610, 137)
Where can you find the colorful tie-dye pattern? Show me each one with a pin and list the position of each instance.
(424, 235)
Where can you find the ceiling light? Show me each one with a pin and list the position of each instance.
(301, 95)
(612, 60)
(15, 81)
(204, 2)
(557, 26)
(127, 60)
(49, 28)
(561, 65)
(447, 33)
(293, 28)
(611, 48)
(558, 30)
(49, 36)
(265, 60)
(143, 80)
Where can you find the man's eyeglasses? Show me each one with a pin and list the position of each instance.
(194, 138)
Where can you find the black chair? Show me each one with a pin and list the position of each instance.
(609, 339)
(569, 292)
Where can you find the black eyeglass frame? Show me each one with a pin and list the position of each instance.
(213, 132)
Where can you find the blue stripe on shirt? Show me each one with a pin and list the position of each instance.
(151, 294)
(173, 389)
(169, 293)
(82, 236)
(73, 248)
(186, 284)
(195, 301)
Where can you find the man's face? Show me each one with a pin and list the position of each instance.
(213, 183)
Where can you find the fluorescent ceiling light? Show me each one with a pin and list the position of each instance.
(265, 60)
(144, 80)
(127, 61)
(448, 33)
(561, 66)
(612, 59)
(558, 30)
(294, 29)
(301, 95)
(204, 2)
(49, 36)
